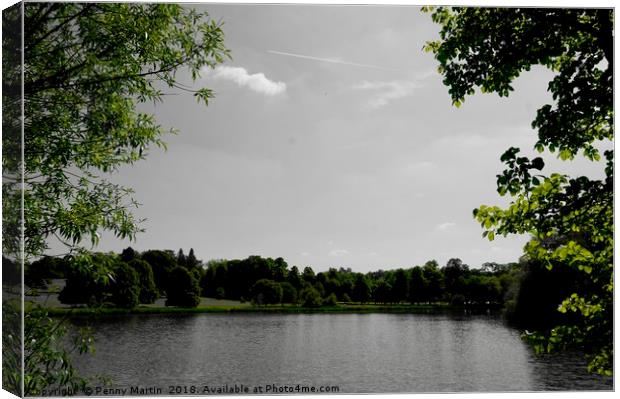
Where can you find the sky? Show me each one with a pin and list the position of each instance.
(331, 142)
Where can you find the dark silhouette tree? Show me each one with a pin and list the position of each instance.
(418, 286)
(192, 262)
(129, 254)
(455, 273)
(434, 278)
(289, 293)
(383, 292)
(181, 258)
(362, 291)
(294, 278)
(162, 263)
(308, 275)
(400, 288)
(183, 289)
(85, 284)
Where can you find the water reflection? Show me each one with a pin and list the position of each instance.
(357, 352)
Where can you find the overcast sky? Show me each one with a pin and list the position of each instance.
(331, 142)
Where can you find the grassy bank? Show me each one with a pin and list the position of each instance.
(246, 308)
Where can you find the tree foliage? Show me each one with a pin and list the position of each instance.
(570, 219)
(289, 293)
(310, 297)
(46, 358)
(87, 67)
(266, 292)
(88, 279)
(162, 263)
(125, 286)
(148, 290)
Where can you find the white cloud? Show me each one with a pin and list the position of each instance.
(386, 91)
(256, 81)
(305, 254)
(446, 226)
(338, 252)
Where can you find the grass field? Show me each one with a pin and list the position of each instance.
(210, 305)
(49, 300)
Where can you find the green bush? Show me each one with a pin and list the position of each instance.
(148, 290)
(125, 289)
(289, 293)
(265, 292)
(331, 300)
(310, 297)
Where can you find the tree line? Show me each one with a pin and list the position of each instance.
(528, 292)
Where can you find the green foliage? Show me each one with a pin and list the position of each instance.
(434, 278)
(162, 263)
(266, 292)
(331, 300)
(383, 292)
(308, 275)
(88, 279)
(289, 293)
(294, 277)
(362, 291)
(454, 273)
(125, 287)
(148, 290)
(47, 362)
(310, 297)
(183, 289)
(38, 272)
(87, 67)
(570, 219)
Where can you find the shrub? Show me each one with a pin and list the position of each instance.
(148, 290)
(125, 289)
(265, 292)
(331, 300)
(289, 293)
(310, 297)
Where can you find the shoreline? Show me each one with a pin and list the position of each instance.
(284, 309)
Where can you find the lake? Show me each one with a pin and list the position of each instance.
(353, 352)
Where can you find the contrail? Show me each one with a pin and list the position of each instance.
(334, 61)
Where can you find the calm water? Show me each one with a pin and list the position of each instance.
(356, 352)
